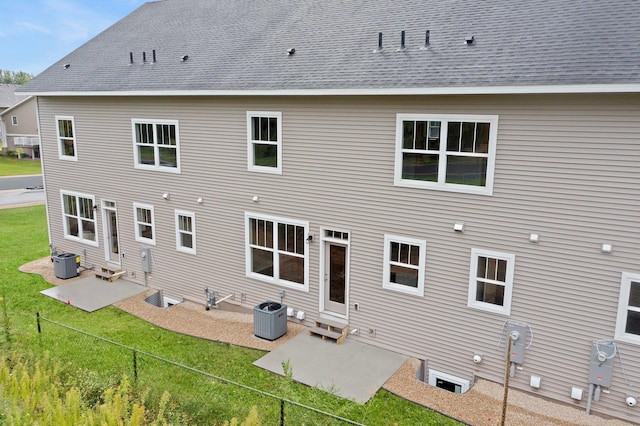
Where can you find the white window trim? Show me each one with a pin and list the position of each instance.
(14, 120)
(179, 247)
(61, 155)
(277, 220)
(623, 306)
(508, 285)
(435, 375)
(388, 239)
(250, 159)
(64, 221)
(156, 166)
(139, 237)
(441, 185)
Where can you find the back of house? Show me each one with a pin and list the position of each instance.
(444, 177)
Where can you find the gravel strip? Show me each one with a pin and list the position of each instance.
(481, 405)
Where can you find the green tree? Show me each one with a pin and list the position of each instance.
(14, 77)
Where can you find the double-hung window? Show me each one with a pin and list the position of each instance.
(144, 223)
(185, 232)
(79, 220)
(156, 145)
(446, 152)
(404, 263)
(491, 281)
(277, 250)
(628, 322)
(67, 149)
(264, 141)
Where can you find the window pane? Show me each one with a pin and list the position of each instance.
(292, 268)
(407, 134)
(482, 267)
(264, 129)
(634, 294)
(468, 137)
(88, 230)
(265, 155)
(282, 236)
(65, 129)
(255, 128)
(490, 293)
(420, 167)
(262, 262)
(502, 270)
(404, 253)
(466, 170)
(633, 323)
(144, 133)
(273, 129)
(146, 231)
(453, 136)
(168, 157)
(434, 136)
(186, 240)
(70, 205)
(72, 226)
(395, 252)
(404, 276)
(144, 215)
(146, 155)
(67, 147)
(300, 239)
(482, 138)
(414, 255)
(421, 135)
(184, 223)
(491, 269)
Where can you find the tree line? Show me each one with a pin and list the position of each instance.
(14, 77)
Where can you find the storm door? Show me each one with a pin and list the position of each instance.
(111, 242)
(335, 273)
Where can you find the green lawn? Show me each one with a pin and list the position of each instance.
(10, 166)
(94, 365)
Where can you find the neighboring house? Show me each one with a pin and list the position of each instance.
(19, 127)
(475, 175)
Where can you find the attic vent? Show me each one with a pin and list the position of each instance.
(379, 49)
(291, 51)
(66, 66)
(184, 58)
(469, 40)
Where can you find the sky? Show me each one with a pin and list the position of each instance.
(35, 34)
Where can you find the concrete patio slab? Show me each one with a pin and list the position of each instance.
(351, 370)
(91, 293)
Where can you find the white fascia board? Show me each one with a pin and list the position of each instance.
(480, 90)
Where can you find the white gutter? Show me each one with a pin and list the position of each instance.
(480, 90)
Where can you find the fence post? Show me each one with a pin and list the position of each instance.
(38, 321)
(135, 367)
(282, 412)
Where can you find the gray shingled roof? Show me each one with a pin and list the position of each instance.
(8, 97)
(242, 45)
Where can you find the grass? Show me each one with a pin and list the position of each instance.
(10, 166)
(94, 364)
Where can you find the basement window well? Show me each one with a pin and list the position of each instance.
(448, 382)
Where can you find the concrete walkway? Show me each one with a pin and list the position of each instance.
(351, 370)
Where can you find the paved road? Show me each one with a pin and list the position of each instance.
(20, 182)
(21, 190)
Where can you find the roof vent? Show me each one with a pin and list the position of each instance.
(153, 56)
(130, 58)
(184, 58)
(66, 66)
(144, 57)
(402, 45)
(469, 40)
(379, 49)
(291, 51)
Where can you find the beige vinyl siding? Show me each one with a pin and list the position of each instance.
(566, 169)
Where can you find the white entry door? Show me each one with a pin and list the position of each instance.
(335, 273)
(110, 226)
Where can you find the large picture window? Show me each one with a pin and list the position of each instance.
(628, 321)
(277, 250)
(79, 220)
(446, 152)
(156, 145)
(144, 223)
(404, 263)
(491, 281)
(67, 149)
(264, 141)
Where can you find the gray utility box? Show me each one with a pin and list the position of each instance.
(66, 265)
(270, 320)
